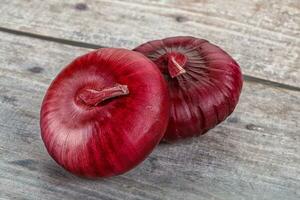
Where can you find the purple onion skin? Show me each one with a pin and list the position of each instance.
(104, 113)
(204, 83)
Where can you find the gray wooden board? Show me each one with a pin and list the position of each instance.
(263, 36)
(254, 154)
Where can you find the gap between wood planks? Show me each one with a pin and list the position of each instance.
(95, 46)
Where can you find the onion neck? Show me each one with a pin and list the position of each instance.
(176, 62)
(93, 97)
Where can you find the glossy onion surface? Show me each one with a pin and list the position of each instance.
(204, 83)
(105, 112)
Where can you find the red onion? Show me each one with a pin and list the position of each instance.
(104, 113)
(204, 83)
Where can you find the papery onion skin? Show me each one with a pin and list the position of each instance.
(109, 137)
(204, 91)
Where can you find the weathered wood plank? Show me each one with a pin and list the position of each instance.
(263, 36)
(264, 15)
(253, 155)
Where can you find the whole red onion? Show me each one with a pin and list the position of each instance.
(204, 83)
(105, 112)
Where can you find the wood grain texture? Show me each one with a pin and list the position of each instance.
(254, 154)
(263, 36)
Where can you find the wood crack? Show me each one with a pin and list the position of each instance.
(248, 78)
(51, 39)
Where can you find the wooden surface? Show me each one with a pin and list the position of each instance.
(262, 36)
(254, 154)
